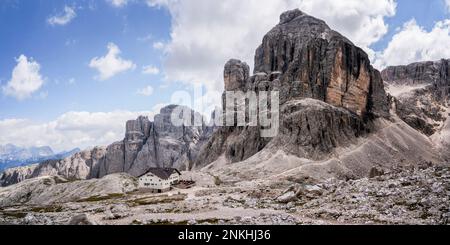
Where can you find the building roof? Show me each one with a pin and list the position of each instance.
(163, 173)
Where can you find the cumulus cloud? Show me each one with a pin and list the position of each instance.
(150, 70)
(63, 18)
(205, 33)
(147, 38)
(361, 21)
(413, 43)
(26, 79)
(147, 91)
(70, 130)
(118, 3)
(111, 64)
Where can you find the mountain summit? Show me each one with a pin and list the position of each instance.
(329, 92)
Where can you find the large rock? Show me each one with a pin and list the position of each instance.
(236, 74)
(302, 58)
(319, 63)
(312, 129)
(82, 219)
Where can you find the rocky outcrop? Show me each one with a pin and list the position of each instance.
(302, 58)
(317, 62)
(146, 144)
(435, 73)
(16, 175)
(312, 129)
(421, 92)
(155, 144)
(76, 167)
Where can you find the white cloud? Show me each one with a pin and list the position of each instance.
(111, 64)
(145, 38)
(150, 70)
(413, 43)
(63, 18)
(205, 33)
(361, 21)
(158, 45)
(447, 2)
(70, 130)
(118, 3)
(147, 91)
(25, 79)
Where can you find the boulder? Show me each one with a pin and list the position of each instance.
(82, 219)
(287, 197)
(375, 172)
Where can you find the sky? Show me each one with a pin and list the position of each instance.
(73, 72)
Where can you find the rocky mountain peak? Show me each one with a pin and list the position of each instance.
(317, 62)
(421, 93)
(434, 73)
(137, 129)
(303, 58)
(290, 15)
(236, 74)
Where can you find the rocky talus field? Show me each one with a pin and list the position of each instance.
(355, 146)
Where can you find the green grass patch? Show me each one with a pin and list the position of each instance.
(156, 200)
(15, 214)
(99, 198)
(47, 209)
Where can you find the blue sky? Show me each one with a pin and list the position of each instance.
(184, 42)
(426, 12)
(64, 53)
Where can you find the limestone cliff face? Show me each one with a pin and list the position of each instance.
(421, 92)
(436, 73)
(154, 144)
(78, 166)
(15, 175)
(329, 92)
(146, 144)
(317, 62)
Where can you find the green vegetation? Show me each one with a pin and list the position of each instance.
(47, 209)
(15, 214)
(156, 200)
(168, 222)
(102, 198)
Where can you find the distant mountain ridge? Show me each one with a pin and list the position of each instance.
(147, 144)
(15, 156)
